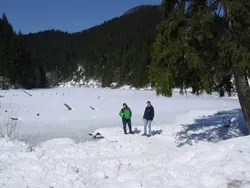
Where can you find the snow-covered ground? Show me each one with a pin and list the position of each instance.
(127, 161)
(186, 150)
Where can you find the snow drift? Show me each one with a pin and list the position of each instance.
(125, 161)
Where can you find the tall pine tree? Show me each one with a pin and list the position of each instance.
(17, 67)
(204, 45)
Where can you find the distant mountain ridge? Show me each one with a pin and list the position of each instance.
(138, 8)
(117, 50)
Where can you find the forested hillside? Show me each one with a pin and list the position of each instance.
(115, 51)
(17, 65)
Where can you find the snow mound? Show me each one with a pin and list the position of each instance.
(58, 142)
(130, 87)
(121, 160)
(81, 83)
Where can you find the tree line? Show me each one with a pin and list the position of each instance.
(119, 50)
(17, 65)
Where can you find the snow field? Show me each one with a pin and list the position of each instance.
(125, 161)
(186, 150)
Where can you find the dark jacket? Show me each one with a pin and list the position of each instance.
(149, 113)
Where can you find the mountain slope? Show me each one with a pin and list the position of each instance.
(136, 9)
(116, 51)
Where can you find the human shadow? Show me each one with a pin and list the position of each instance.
(156, 132)
(153, 133)
(136, 131)
(220, 126)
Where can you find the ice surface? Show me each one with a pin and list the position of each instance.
(44, 116)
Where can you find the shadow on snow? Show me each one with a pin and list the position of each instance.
(153, 133)
(220, 126)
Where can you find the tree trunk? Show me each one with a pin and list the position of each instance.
(243, 90)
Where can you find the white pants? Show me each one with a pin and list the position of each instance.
(147, 125)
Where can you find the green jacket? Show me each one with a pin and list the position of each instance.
(125, 113)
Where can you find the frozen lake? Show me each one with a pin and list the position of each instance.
(44, 116)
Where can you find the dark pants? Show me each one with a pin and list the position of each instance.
(124, 122)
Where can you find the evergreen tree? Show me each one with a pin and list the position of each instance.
(107, 72)
(199, 46)
(15, 61)
(41, 80)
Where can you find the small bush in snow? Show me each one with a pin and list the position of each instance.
(9, 128)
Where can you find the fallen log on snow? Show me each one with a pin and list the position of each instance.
(26, 92)
(67, 106)
(14, 118)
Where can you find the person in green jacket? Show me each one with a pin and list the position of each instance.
(126, 114)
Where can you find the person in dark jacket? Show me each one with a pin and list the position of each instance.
(126, 114)
(148, 118)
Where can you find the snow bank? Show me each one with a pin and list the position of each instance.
(81, 83)
(126, 161)
(79, 80)
(130, 87)
(77, 83)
